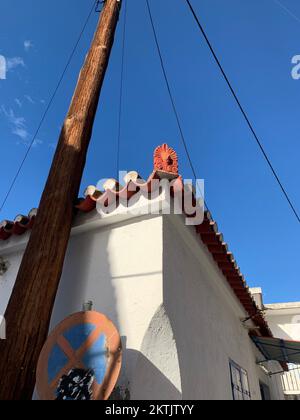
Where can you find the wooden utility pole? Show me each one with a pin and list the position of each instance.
(29, 310)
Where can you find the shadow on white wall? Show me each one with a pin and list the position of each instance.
(157, 366)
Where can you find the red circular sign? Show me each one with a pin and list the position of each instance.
(81, 359)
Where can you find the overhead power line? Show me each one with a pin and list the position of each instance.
(287, 10)
(276, 176)
(182, 136)
(48, 106)
(121, 88)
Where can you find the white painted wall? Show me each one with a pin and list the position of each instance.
(119, 268)
(13, 256)
(284, 321)
(205, 317)
(157, 369)
(178, 318)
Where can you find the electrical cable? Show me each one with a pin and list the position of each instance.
(293, 208)
(173, 103)
(48, 107)
(121, 89)
(287, 10)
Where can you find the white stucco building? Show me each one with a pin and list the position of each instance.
(174, 292)
(284, 321)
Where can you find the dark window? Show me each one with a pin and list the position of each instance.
(239, 382)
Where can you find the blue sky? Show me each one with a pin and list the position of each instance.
(255, 40)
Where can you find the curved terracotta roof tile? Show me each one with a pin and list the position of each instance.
(20, 225)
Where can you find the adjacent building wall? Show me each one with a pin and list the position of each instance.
(284, 321)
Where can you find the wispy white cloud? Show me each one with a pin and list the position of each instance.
(19, 127)
(37, 142)
(18, 102)
(18, 124)
(28, 45)
(20, 132)
(2, 67)
(12, 63)
(29, 99)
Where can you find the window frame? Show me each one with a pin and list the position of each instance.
(239, 382)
